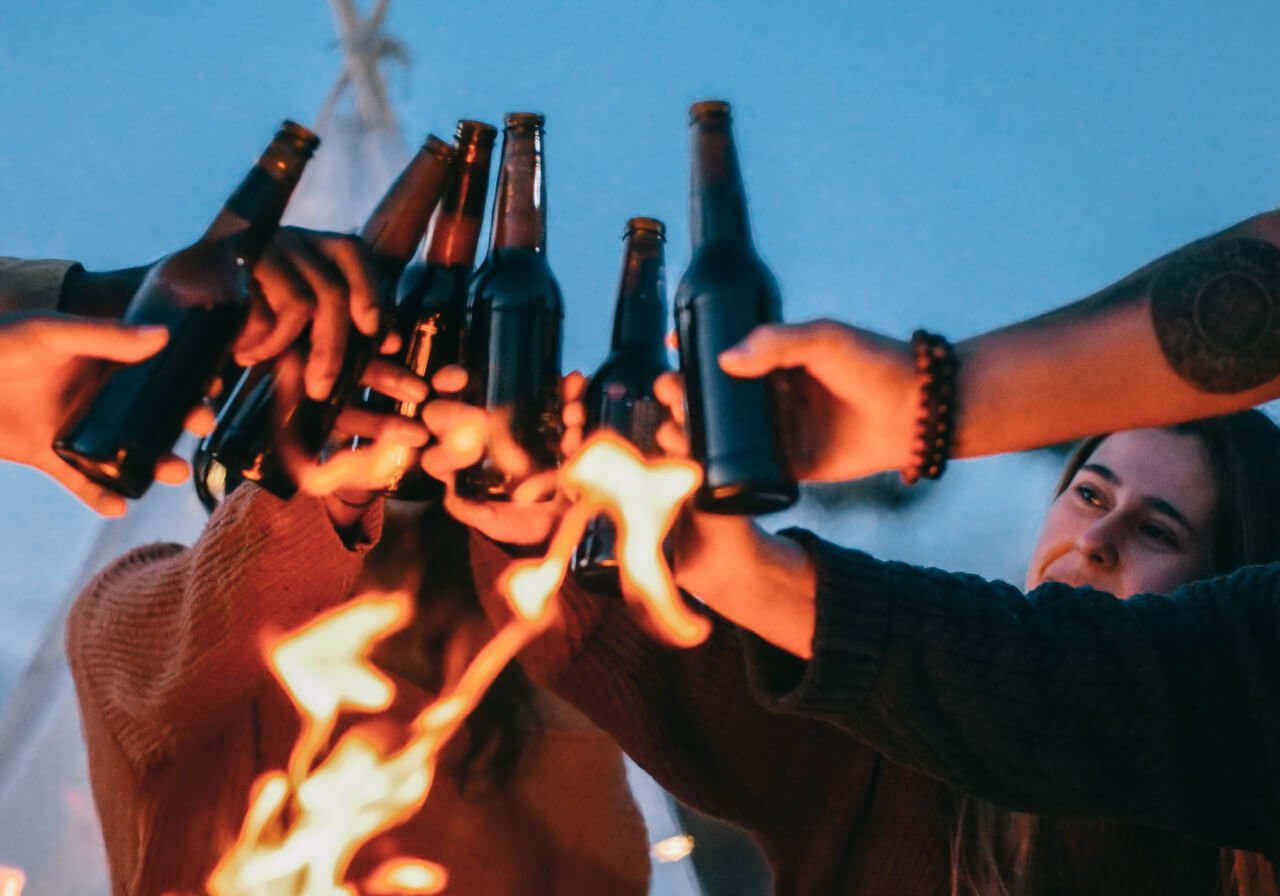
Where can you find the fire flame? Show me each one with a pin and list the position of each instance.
(12, 880)
(304, 826)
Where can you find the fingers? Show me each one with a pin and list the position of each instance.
(572, 386)
(449, 379)
(668, 388)
(672, 440)
(382, 427)
(312, 256)
(462, 433)
(351, 258)
(777, 346)
(290, 300)
(172, 470)
(391, 379)
(97, 498)
(94, 337)
(200, 420)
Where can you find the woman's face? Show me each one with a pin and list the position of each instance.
(1137, 518)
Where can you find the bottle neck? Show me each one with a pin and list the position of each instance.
(455, 230)
(520, 208)
(395, 228)
(252, 213)
(640, 321)
(718, 203)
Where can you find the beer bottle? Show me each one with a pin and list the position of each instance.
(433, 294)
(619, 395)
(512, 334)
(392, 233)
(244, 437)
(201, 294)
(726, 292)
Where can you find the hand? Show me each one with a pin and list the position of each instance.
(463, 434)
(50, 365)
(307, 277)
(761, 582)
(351, 479)
(852, 396)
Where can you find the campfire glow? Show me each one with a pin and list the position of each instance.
(12, 880)
(303, 827)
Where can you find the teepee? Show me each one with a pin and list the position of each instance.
(50, 829)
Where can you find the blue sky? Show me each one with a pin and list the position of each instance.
(951, 165)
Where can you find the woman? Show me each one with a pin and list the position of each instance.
(181, 713)
(832, 814)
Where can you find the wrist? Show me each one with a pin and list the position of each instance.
(99, 293)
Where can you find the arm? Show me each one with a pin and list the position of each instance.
(1156, 710)
(33, 285)
(166, 640)
(1194, 334)
(686, 716)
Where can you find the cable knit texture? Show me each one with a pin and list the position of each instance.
(1161, 710)
(831, 814)
(31, 285)
(181, 715)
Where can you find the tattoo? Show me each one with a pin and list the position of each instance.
(1215, 308)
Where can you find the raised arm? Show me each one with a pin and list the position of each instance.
(1194, 334)
(165, 640)
(1157, 710)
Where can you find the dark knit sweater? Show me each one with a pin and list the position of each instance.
(1160, 710)
(831, 814)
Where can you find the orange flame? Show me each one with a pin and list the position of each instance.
(304, 827)
(12, 880)
(643, 498)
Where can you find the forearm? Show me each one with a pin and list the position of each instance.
(33, 285)
(1184, 337)
(1158, 710)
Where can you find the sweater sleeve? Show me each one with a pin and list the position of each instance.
(1162, 710)
(688, 717)
(31, 285)
(166, 639)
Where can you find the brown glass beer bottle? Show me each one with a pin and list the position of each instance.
(433, 294)
(512, 334)
(201, 294)
(726, 292)
(244, 437)
(619, 395)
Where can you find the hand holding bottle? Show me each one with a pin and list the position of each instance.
(50, 363)
(853, 396)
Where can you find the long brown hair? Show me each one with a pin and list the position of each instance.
(993, 850)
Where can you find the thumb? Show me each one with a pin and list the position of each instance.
(109, 340)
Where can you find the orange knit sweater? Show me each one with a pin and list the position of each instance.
(180, 715)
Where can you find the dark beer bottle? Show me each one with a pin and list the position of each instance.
(433, 294)
(392, 233)
(512, 333)
(725, 293)
(244, 437)
(619, 395)
(201, 294)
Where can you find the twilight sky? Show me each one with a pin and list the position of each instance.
(951, 165)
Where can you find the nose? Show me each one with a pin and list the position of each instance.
(1097, 543)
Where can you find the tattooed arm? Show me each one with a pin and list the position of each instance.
(1194, 334)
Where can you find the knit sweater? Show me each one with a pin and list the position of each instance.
(180, 716)
(31, 285)
(1161, 710)
(831, 814)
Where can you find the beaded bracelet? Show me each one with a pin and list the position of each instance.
(936, 364)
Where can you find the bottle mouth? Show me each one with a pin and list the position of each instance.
(647, 225)
(516, 120)
(478, 132)
(438, 147)
(305, 137)
(709, 110)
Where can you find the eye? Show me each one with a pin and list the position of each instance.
(1159, 534)
(1088, 494)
